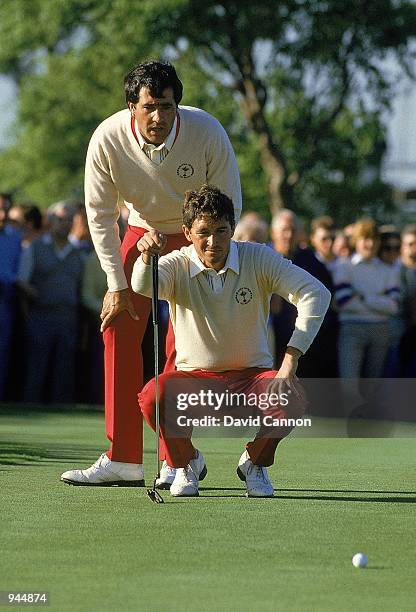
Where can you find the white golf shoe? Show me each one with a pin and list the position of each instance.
(106, 473)
(167, 476)
(255, 476)
(187, 479)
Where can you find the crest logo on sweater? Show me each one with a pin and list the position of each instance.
(244, 295)
(185, 171)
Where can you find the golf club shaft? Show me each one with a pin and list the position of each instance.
(155, 297)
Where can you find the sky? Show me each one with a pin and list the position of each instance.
(7, 108)
(400, 162)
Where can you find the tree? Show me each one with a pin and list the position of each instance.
(308, 79)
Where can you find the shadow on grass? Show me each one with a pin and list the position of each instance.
(348, 491)
(20, 454)
(22, 409)
(15, 452)
(346, 498)
(375, 497)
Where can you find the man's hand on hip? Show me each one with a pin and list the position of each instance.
(151, 243)
(115, 302)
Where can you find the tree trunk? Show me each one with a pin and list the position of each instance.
(272, 160)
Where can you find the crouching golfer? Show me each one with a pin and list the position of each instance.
(219, 294)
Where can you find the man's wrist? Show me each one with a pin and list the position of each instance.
(119, 290)
(293, 352)
(146, 259)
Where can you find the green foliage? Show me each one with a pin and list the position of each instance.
(316, 66)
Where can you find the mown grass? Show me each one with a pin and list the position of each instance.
(112, 549)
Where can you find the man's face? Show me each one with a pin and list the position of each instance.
(408, 250)
(16, 217)
(341, 247)
(211, 240)
(390, 250)
(322, 241)
(60, 225)
(154, 116)
(285, 236)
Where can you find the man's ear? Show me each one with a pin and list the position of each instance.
(187, 233)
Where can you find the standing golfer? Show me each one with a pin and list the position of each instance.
(219, 299)
(145, 156)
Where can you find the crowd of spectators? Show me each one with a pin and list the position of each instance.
(370, 329)
(52, 286)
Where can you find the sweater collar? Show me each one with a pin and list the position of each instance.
(196, 266)
(357, 259)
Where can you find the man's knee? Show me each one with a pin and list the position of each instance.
(168, 386)
(147, 397)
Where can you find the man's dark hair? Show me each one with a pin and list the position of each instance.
(7, 200)
(325, 222)
(155, 76)
(34, 216)
(207, 201)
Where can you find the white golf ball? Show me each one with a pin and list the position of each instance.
(360, 560)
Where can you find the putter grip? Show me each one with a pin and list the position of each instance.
(155, 288)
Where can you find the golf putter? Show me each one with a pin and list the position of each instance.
(154, 494)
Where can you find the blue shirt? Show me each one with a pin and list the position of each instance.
(10, 249)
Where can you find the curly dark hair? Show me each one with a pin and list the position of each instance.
(154, 75)
(207, 201)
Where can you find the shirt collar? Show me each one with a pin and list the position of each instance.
(357, 259)
(168, 142)
(62, 252)
(196, 266)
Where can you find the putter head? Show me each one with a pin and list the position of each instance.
(155, 496)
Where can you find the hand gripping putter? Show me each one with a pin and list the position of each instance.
(153, 494)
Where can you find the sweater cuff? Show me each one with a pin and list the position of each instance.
(300, 340)
(141, 278)
(116, 280)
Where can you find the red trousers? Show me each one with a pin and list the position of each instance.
(179, 450)
(123, 361)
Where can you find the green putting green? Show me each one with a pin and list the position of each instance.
(112, 549)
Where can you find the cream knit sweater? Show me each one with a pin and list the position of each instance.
(117, 170)
(228, 331)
